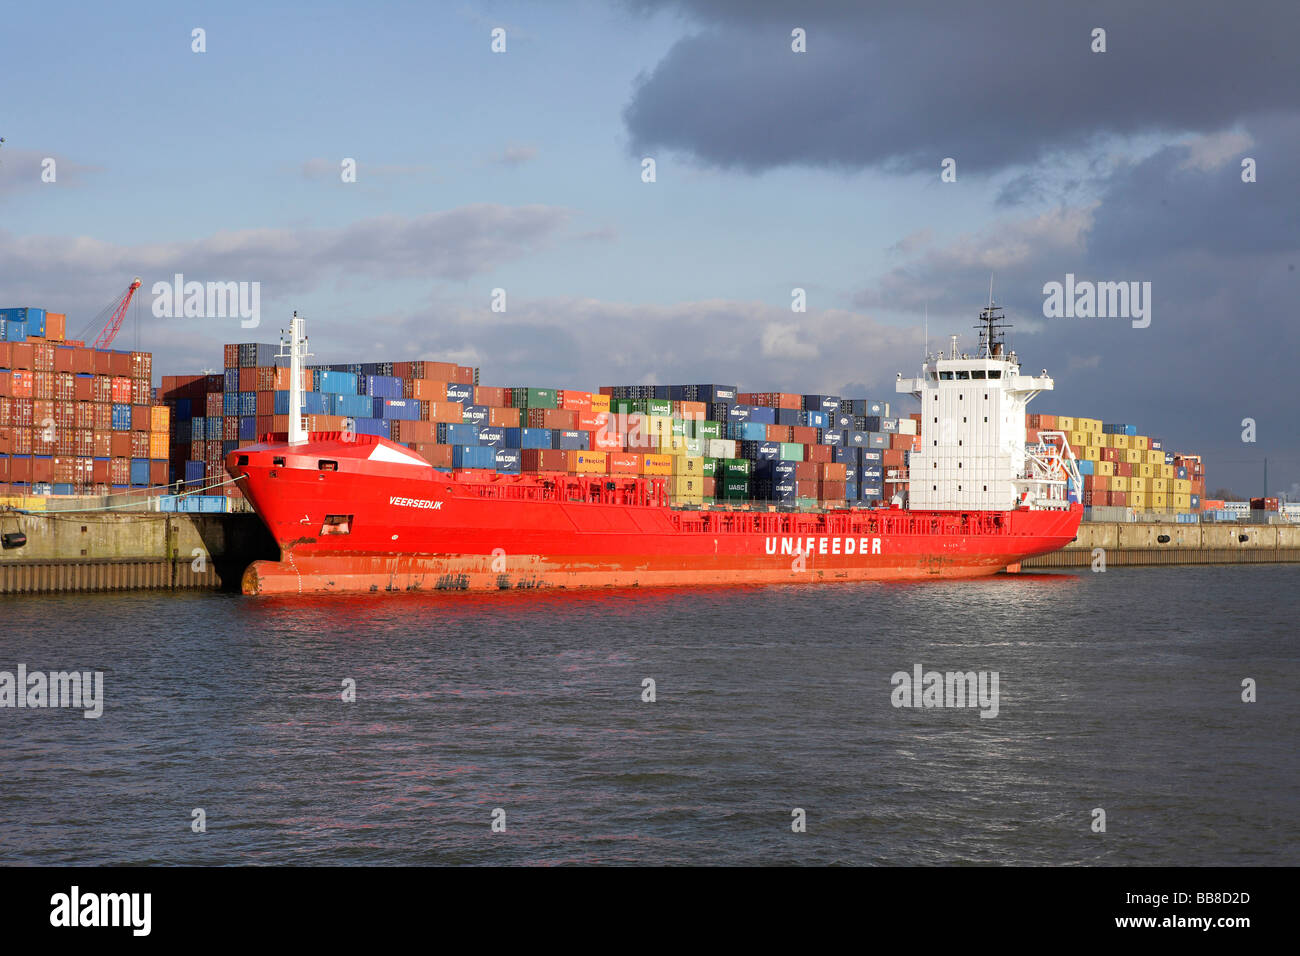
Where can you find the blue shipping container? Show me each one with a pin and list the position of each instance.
(473, 456)
(139, 471)
(509, 461)
(451, 434)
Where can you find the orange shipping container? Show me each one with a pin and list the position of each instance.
(503, 417)
(600, 402)
(606, 439)
(623, 463)
(585, 462)
(574, 401)
(490, 395)
(158, 444)
(56, 326)
(160, 419)
(425, 389)
(656, 464)
(452, 412)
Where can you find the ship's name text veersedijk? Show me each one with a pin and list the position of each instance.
(823, 545)
(416, 503)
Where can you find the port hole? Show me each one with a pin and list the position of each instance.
(278, 461)
(243, 460)
(337, 524)
(326, 465)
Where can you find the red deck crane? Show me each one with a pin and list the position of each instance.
(114, 323)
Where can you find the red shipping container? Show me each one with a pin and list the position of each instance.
(544, 459)
(42, 467)
(778, 433)
(230, 356)
(99, 471)
(891, 458)
(103, 439)
(20, 469)
(21, 356)
(248, 380)
(213, 405)
(157, 473)
(6, 410)
(437, 455)
(141, 392)
(83, 388)
(22, 411)
(832, 490)
(63, 358)
(403, 370)
(574, 401)
(832, 471)
(198, 450)
(121, 446)
(83, 361)
(119, 363)
(42, 384)
(463, 375)
(140, 417)
(121, 389)
(102, 389)
(42, 411)
(119, 471)
(230, 427)
(84, 442)
(61, 469)
(139, 444)
(42, 357)
(606, 439)
(806, 471)
(103, 415)
(803, 434)
(142, 365)
(818, 453)
(407, 431)
(904, 442)
(6, 354)
(65, 386)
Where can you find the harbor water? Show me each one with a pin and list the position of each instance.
(1119, 691)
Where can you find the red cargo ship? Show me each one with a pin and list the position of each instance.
(358, 513)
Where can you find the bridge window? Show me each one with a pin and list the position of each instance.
(978, 373)
(946, 376)
(995, 373)
(963, 376)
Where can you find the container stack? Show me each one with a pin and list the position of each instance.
(75, 420)
(713, 444)
(1122, 469)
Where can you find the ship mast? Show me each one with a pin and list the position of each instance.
(297, 346)
(991, 323)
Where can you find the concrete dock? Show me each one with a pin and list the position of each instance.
(106, 551)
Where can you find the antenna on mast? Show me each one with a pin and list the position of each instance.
(927, 333)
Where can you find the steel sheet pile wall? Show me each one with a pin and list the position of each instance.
(1122, 469)
(74, 420)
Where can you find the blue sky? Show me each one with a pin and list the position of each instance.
(820, 170)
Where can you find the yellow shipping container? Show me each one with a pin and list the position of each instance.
(687, 486)
(658, 426)
(1092, 453)
(1118, 483)
(1160, 485)
(1182, 502)
(1165, 471)
(1139, 442)
(1103, 441)
(1132, 456)
(656, 464)
(1156, 457)
(1159, 502)
(1120, 441)
(1105, 468)
(685, 465)
(1094, 425)
(1182, 486)
(1064, 424)
(673, 445)
(599, 403)
(33, 503)
(588, 462)
(1146, 471)
(1138, 500)
(1077, 439)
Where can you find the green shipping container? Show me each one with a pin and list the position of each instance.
(533, 398)
(681, 427)
(710, 468)
(658, 406)
(695, 447)
(791, 451)
(736, 467)
(733, 489)
(624, 406)
(707, 429)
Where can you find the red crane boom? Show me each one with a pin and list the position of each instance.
(105, 338)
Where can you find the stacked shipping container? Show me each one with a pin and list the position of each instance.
(1126, 470)
(74, 420)
(712, 443)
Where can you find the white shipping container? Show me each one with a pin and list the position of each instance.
(721, 448)
(907, 426)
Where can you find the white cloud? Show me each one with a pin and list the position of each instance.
(1211, 151)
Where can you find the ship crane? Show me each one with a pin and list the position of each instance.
(115, 311)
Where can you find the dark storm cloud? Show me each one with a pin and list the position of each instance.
(990, 85)
(1222, 257)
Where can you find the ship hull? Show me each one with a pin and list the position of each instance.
(401, 526)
